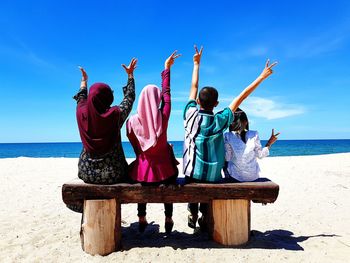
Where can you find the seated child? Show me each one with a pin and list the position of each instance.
(155, 162)
(204, 154)
(242, 148)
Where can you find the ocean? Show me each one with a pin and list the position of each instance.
(73, 149)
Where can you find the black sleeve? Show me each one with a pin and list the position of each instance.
(81, 95)
(129, 98)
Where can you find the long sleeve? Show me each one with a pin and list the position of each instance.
(166, 97)
(81, 96)
(128, 100)
(228, 149)
(260, 152)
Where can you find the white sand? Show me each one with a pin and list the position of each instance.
(309, 222)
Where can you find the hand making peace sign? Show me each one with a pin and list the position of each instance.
(268, 69)
(197, 56)
(273, 138)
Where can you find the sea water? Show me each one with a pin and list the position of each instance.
(73, 149)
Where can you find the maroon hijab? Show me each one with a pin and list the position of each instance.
(98, 122)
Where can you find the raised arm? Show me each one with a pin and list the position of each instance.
(84, 78)
(166, 84)
(82, 94)
(263, 152)
(195, 74)
(129, 91)
(248, 90)
(260, 152)
(272, 139)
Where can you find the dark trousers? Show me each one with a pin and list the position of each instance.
(168, 207)
(193, 208)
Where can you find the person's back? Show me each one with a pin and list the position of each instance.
(155, 162)
(242, 156)
(243, 148)
(204, 154)
(204, 144)
(102, 159)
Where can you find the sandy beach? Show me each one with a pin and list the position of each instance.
(309, 222)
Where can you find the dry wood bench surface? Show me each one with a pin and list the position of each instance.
(229, 208)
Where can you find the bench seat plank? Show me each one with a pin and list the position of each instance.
(261, 191)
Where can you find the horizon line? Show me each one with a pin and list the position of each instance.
(323, 139)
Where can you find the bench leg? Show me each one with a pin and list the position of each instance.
(101, 229)
(230, 221)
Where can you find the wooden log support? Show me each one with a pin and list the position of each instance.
(118, 226)
(228, 216)
(99, 227)
(231, 221)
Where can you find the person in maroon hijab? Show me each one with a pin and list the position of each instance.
(102, 159)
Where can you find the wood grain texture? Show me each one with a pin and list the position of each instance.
(263, 191)
(118, 226)
(98, 227)
(231, 220)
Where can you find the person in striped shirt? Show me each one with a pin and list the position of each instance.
(204, 154)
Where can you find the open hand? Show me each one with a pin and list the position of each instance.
(268, 69)
(170, 60)
(130, 69)
(197, 56)
(84, 76)
(273, 138)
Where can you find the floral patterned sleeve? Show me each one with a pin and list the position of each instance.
(129, 98)
(81, 96)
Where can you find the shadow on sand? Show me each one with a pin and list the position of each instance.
(279, 239)
(273, 239)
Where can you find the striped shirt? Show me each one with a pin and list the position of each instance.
(204, 154)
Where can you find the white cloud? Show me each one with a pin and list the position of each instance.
(255, 106)
(180, 96)
(327, 41)
(208, 69)
(20, 51)
(314, 46)
(271, 109)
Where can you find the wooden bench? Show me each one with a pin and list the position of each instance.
(228, 216)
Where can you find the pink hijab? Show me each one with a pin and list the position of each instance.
(147, 123)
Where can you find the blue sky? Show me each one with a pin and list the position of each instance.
(42, 42)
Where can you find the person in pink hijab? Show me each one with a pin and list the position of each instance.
(155, 162)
